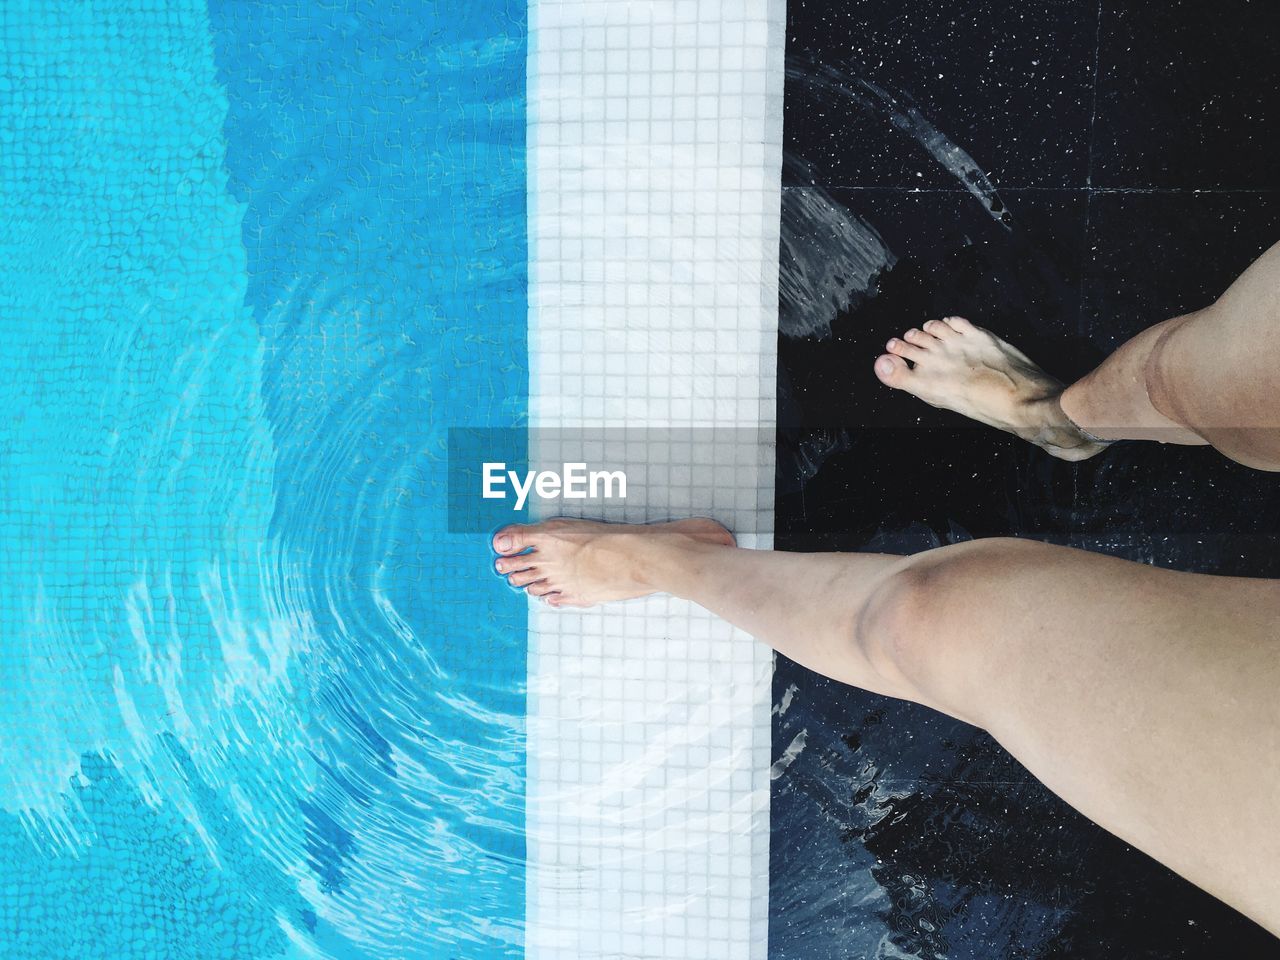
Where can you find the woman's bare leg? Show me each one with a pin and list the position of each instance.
(1146, 698)
(1212, 376)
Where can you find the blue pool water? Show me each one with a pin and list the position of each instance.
(257, 259)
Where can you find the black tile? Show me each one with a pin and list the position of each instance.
(856, 458)
(1153, 256)
(864, 757)
(1186, 508)
(896, 825)
(1009, 83)
(1188, 94)
(1021, 279)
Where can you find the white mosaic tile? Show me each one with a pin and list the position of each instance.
(655, 144)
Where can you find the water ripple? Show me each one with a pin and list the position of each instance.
(256, 689)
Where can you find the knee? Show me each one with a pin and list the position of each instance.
(921, 624)
(901, 615)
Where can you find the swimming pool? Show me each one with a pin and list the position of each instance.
(266, 698)
(264, 262)
(257, 700)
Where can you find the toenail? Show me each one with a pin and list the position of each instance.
(501, 566)
(504, 543)
(893, 342)
(885, 366)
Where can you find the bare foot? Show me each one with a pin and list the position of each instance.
(579, 563)
(961, 367)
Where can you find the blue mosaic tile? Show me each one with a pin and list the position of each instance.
(255, 701)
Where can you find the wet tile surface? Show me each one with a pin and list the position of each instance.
(1187, 95)
(1163, 254)
(1012, 82)
(896, 825)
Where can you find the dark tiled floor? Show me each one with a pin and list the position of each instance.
(982, 70)
(1169, 252)
(1187, 95)
(1125, 205)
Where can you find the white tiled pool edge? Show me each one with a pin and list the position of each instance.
(655, 149)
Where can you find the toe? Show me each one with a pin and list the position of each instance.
(523, 578)
(959, 324)
(891, 370)
(908, 351)
(511, 539)
(919, 338)
(541, 588)
(939, 329)
(506, 565)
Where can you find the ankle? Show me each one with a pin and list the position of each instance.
(670, 564)
(1049, 427)
(1036, 417)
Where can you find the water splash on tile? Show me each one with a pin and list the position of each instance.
(829, 259)
(899, 110)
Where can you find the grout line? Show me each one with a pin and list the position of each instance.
(1088, 177)
(1154, 191)
(1087, 263)
(1093, 108)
